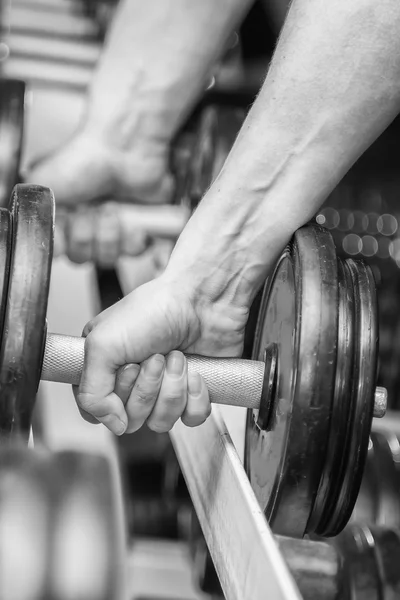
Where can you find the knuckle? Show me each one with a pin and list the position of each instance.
(144, 395)
(93, 341)
(86, 403)
(173, 398)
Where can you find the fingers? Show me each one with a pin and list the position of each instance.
(163, 392)
(79, 235)
(93, 234)
(107, 235)
(145, 392)
(125, 380)
(198, 407)
(96, 395)
(172, 398)
(159, 391)
(99, 233)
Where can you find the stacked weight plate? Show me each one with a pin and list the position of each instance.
(305, 457)
(26, 242)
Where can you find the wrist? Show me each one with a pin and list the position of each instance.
(223, 256)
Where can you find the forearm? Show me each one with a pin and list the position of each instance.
(332, 88)
(157, 60)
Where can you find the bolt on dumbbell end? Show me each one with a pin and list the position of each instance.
(380, 402)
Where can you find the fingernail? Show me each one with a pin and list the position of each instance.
(175, 363)
(194, 384)
(114, 423)
(154, 366)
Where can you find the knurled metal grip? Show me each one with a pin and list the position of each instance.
(232, 381)
(63, 358)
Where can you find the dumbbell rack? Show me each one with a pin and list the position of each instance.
(245, 554)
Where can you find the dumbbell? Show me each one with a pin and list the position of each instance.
(62, 531)
(310, 386)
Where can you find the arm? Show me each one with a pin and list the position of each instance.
(157, 60)
(332, 88)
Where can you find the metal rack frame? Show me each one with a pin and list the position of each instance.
(242, 546)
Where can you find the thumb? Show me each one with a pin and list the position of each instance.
(99, 399)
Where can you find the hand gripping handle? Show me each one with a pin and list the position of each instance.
(158, 221)
(232, 381)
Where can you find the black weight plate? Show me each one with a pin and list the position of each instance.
(343, 404)
(32, 215)
(12, 99)
(361, 574)
(363, 386)
(387, 551)
(387, 479)
(336, 457)
(5, 246)
(201, 167)
(366, 507)
(299, 313)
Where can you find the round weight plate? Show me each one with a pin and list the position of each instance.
(361, 574)
(12, 98)
(386, 478)
(201, 166)
(363, 382)
(336, 458)
(299, 313)
(32, 216)
(387, 551)
(366, 507)
(25, 534)
(88, 553)
(5, 247)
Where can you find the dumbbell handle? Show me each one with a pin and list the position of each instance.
(232, 381)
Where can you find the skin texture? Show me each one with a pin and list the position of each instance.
(155, 64)
(332, 88)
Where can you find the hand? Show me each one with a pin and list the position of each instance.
(144, 332)
(91, 167)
